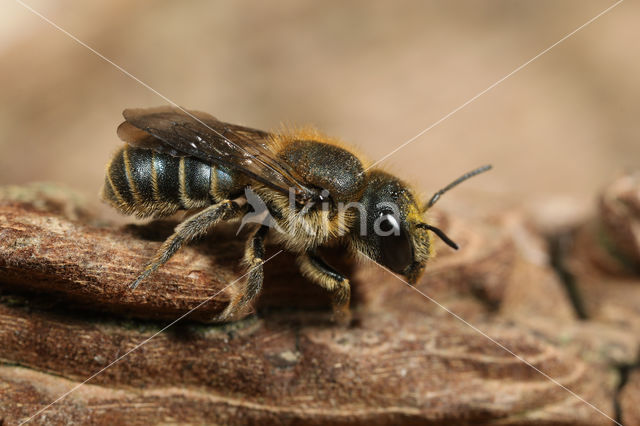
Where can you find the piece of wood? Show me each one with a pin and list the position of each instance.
(66, 314)
(601, 259)
(294, 367)
(630, 399)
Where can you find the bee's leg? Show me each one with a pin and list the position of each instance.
(253, 258)
(317, 270)
(193, 227)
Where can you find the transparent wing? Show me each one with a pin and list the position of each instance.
(200, 135)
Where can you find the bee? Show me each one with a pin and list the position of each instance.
(316, 194)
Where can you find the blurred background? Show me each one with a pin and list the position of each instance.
(371, 73)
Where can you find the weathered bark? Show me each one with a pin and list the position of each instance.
(602, 260)
(66, 313)
(630, 399)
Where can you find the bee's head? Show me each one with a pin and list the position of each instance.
(390, 228)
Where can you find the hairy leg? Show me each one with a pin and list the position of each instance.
(253, 258)
(195, 226)
(315, 269)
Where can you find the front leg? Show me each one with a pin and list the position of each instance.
(315, 269)
(253, 258)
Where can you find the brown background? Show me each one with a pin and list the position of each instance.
(371, 73)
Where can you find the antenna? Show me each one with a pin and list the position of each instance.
(440, 233)
(456, 182)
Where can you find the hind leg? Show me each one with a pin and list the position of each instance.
(253, 258)
(195, 226)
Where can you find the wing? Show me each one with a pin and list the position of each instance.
(200, 135)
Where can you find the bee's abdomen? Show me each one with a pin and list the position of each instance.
(146, 183)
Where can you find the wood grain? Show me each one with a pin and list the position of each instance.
(65, 314)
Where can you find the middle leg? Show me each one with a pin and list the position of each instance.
(253, 258)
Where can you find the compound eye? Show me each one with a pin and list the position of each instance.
(395, 246)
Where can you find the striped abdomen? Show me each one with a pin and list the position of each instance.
(146, 183)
